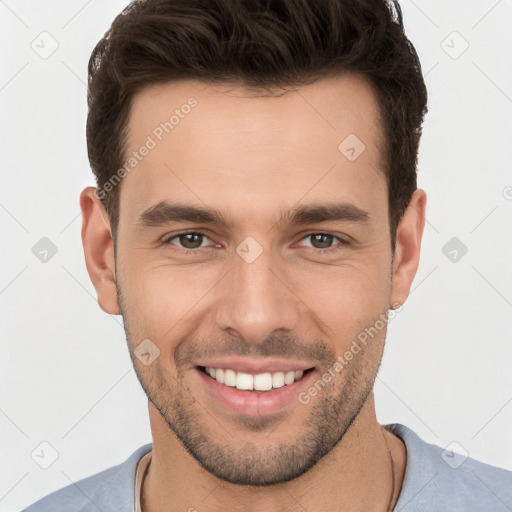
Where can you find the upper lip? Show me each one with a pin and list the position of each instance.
(256, 366)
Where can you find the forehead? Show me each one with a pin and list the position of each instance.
(231, 146)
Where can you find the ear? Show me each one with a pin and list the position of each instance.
(408, 246)
(99, 250)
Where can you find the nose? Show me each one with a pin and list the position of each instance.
(257, 299)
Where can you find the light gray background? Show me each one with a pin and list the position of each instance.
(65, 374)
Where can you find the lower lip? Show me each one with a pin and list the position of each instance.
(255, 403)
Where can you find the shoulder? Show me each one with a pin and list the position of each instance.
(441, 479)
(109, 490)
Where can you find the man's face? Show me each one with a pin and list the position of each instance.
(259, 293)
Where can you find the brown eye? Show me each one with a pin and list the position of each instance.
(321, 240)
(191, 240)
(187, 240)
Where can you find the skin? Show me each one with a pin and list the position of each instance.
(253, 157)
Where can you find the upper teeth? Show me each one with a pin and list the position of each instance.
(258, 382)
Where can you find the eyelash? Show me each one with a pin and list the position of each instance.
(167, 242)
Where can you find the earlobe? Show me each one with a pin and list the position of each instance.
(99, 250)
(408, 246)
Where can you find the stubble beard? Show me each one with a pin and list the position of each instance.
(256, 462)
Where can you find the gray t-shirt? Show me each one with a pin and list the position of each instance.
(435, 480)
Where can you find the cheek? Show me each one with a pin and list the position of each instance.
(347, 290)
(346, 297)
(163, 297)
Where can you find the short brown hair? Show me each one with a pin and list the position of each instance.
(261, 44)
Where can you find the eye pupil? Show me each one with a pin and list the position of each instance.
(324, 240)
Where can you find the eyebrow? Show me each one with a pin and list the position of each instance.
(164, 213)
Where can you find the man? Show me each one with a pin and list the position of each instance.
(256, 212)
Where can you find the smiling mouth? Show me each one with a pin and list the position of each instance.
(260, 382)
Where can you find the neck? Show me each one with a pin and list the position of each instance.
(363, 472)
